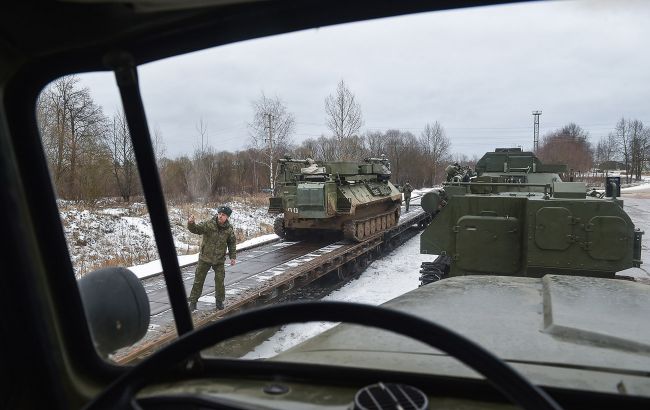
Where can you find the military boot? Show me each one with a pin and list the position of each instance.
(192, 306)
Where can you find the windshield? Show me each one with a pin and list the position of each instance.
(262, 148)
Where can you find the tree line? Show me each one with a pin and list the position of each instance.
(91, 157)
(626, 147)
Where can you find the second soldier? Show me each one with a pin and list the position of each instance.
(407, 189)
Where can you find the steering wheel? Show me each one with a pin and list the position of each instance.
(121, 393)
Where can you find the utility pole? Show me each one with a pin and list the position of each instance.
(536, 115)
(270, 140)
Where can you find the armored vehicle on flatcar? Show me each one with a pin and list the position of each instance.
(517, 217)
(356, 198)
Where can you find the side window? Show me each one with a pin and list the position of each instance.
(95, 177)
(103, 213)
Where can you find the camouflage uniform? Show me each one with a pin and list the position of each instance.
(452, 171)
(407, 194)
(213, 254)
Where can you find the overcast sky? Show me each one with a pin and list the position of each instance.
(479, 72)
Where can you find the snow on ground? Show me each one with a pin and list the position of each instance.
(383, 280)
(637, 188)
(112, 233)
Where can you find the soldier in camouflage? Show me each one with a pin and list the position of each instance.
(452, 171)
(407, 189)
(218, 235)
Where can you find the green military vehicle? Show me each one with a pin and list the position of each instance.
(356, 198)
(517, 217)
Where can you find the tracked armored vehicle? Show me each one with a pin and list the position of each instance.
(516, 217)
(356, 198)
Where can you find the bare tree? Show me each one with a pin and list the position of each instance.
(569, 145)
(71, 124)
(204, 165)
(639, 136)
(413, 164)
(94, 165)
(644, 155)
(118, 141)
(309, 148)
(328, 149)
(353, 148)
(54, 107)
(87, 126)
(271, 130)
(241, 170)
(395, 152)
(436, 146)
(606, 150)
(633, 142)
(175, 176)
(225, 162)
(159, 147)
(255, 158)
(623, 138)
(344, 117)
(376, 142)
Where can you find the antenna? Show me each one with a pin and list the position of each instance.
(536, 115)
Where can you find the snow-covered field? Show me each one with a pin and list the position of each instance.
(114, 233)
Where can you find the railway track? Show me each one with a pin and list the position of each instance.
(266, 273)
